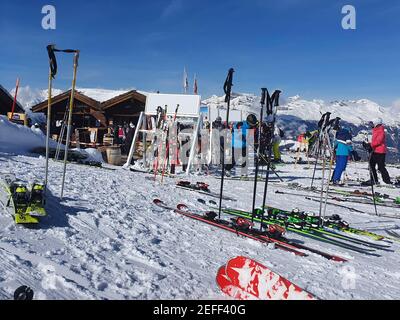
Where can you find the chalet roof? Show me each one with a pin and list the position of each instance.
(97, 105)
(130, 95)
(6, 102)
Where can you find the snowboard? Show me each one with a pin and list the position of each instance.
(244, 278)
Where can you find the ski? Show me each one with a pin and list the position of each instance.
(300, 220)
(305, 232)
(274, 234)
(226, 225)
(202, 188)
(246, 279)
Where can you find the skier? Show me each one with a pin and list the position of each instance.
(121, 135)
(343, 150)
(378, 150)
(276, 141)
(218, 140)
(239, 140)
(130, 131)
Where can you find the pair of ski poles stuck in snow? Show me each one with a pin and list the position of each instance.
(271, 102)
(51, 50)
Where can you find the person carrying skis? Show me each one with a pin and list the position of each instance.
(378, 150)
(343, 149)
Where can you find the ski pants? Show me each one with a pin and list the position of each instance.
(341, 164)
(379, 159)
(277, 152)
(235, 152)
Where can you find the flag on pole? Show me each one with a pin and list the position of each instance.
(185, 81)
(195, 87)
(15, 98)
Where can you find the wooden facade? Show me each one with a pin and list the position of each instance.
(91, 117)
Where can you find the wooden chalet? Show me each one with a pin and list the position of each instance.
(92, 120)
(6, 102)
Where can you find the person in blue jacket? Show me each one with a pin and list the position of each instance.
(343, 150)
(239, 140)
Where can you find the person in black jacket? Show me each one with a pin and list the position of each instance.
(129, 133)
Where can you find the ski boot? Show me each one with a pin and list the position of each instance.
(202, 186)
(210, 215)
(20, 199)
(276, 231)
(336, 222)
(37, 200)
(313, 221)
(242, 224)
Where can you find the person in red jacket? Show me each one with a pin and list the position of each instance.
(379, 150)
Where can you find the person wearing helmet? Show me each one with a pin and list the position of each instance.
(378, 150)
(239, 140)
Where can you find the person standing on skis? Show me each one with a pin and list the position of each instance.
(343, 149)
(378, 150)
(276, 141)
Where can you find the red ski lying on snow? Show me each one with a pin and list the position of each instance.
(246, 279)
(281, 243)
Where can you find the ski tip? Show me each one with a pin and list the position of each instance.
(157, 201)
(338, 259)
(181, 206)
(23, 293)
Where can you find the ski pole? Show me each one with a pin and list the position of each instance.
(258, 152)
(272, 109)
(52, 74)
(372, 182)
(227, 89)
(71, 105)
(335, 124)
(321, 125)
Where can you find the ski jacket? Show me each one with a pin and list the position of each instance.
(342, 148)
(121, 133)
(378, 143)
(239, 135)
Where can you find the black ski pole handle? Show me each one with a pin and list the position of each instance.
(228, 85)
(263, 95)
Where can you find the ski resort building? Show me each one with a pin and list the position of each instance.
(6, 102)
(95, 114)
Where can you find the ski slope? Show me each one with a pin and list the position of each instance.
(106, 240)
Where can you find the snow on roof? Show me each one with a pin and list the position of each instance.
(102, 95)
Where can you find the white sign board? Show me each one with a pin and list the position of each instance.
(234, 115)
(189, 105)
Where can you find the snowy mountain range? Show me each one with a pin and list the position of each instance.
(297, 115)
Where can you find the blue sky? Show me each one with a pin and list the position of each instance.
(295, 45)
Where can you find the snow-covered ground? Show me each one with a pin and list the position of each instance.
(106, 240)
